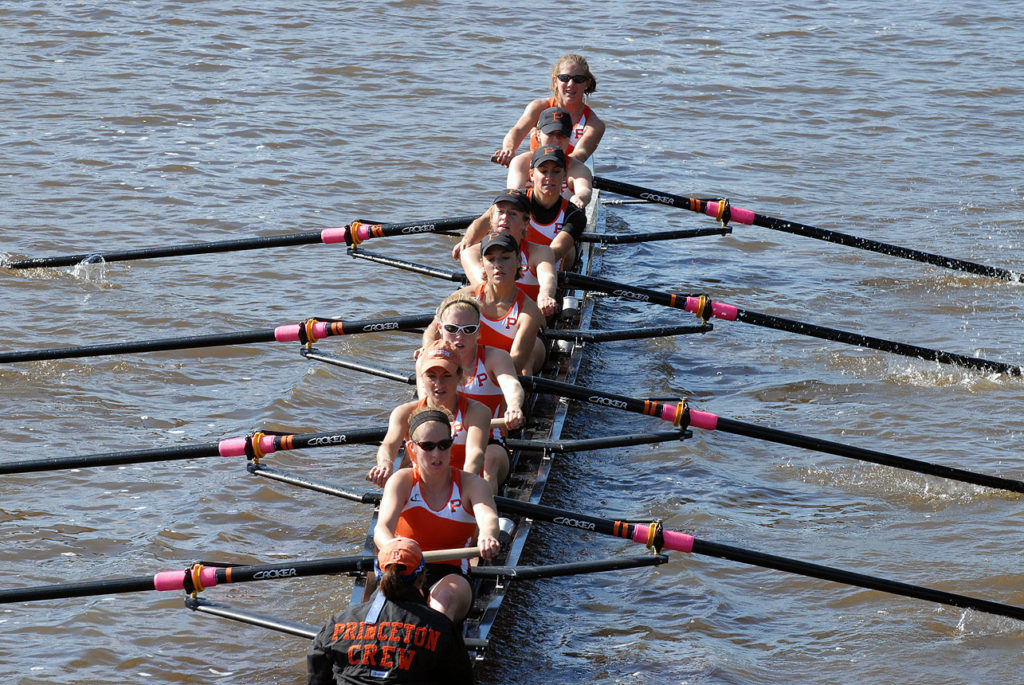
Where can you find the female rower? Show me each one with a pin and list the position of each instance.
(438, 377)
(552, 220)
(489, 376)
(554, 129)
(441, 508)
(510, 319)
(386, 638)
(571, 82)
(510, 213)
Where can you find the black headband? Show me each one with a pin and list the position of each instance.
(417, 420)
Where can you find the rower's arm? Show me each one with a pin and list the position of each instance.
(500, 367)
(510, 143)
(396, 493)
(485, 512)
(561, 245)
(588, 142)
(544, 264)
(526, 336)
(398, 426)
(582, 183)
(478, 427)
(475, 233)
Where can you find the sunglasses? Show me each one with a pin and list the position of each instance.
(430, 445)
(454, 329)
(577, 78)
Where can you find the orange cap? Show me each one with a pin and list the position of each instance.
(438, 353)
(403, 551)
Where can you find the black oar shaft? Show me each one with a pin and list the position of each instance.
(304, 238)
(349, 235)
(230, 447)
(625, 238)
(208, 449)
(710, 207)
(851, 578)
(669, 411)
(625, 333)
(688, 302)
(827, 446)
(84, 589)
(687, 543)
(883, 248)
(287, 333)
(129, 347)
(881, 344)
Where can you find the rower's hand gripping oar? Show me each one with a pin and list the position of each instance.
(655, 536)
(306, 333)
(705, 308)
(351, 235)
(679, 414)
(724, 212)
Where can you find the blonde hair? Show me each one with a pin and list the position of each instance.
(460, 302)
(581, 62)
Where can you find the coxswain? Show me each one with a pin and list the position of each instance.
(571, 83)
(439, 375)
(511, 214)
(393, 638)
(440, 507)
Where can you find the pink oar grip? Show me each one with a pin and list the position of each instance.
(680, 542)
(669, 412)
(338, 234)
(235, 447)
(290, 332)
(719, 310)
(287, 333)
(175, 580)
(703, 419)
(744, 216)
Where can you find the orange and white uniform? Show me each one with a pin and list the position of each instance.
(574, 136)
(451, 527)
(459, 432)
(501, 333)
(528, 281)
(544, 234)
(482, 388)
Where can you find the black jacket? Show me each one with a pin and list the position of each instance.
(409, 643)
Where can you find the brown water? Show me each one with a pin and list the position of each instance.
(141, 124)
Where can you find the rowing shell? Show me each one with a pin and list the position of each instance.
(529, 469)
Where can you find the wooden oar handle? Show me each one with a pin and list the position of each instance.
(449, 554)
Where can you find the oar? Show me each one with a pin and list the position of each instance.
(654, 536)
(652, 236)
(507, 573)
(351, 235)
(308, 331)
(724, 212)
(204, 575)
(680, 415)
(252, 446)
(705, 308)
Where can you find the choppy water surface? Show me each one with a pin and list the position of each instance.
(140, 124)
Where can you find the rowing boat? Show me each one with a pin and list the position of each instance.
(529, 468)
